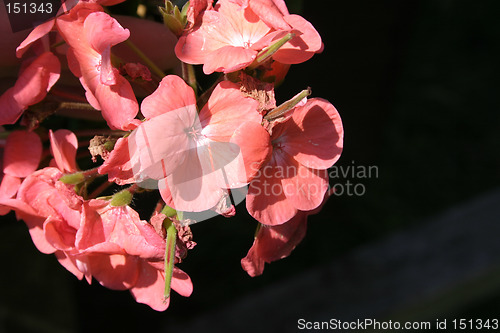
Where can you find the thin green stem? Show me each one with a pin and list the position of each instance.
(268, 52)
(189, 76)
(288, 105)
(169, 254)
(76, 106)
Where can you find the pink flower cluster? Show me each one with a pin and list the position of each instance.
(204, 153)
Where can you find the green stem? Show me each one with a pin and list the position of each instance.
(145, 58)
(169, 254)
(189, 76)
(268, 52)
(76, 106)
(288, 105)
(103, 131)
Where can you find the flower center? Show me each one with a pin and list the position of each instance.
(278, 146)
(193, 133)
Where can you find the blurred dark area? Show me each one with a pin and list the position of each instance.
(416, 84)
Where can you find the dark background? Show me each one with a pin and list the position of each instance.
(416, 84)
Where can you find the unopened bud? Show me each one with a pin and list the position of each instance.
(122, 198)
(174, 19)
(73, 178)
(268, 52)
(288, 105)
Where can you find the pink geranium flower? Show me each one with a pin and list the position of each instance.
(194, 157)
(50, 208)
(295, 178)
(43, 29)
(124, 252)
(52, 212)
(91, 33)
(229, 37)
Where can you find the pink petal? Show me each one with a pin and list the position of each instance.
(70, 25)
(239, 27)
(316, 139)
(149, 288)
(22, 154)
(266, 200)
(9, 187)
(117, 166)
(38, 235)
(228, 59)
(151, 160)
(193, 47)
(64, 144)
(102, 31)
(189, 188)
(271, 12)
(252, 263)
(181, 283)
(31, 87)
(58, 234)
(255, 145)
(136, 237)
(33, 221)
(92, 230)
(304, 187)
(222, 163)
(273, 243)
(118, 104)
(225, 110)
(109, 74)
(37, 188)
(115, 271)
(115, 97)
(37, 33)
(69, 263)
(303, 46)
(172, 94)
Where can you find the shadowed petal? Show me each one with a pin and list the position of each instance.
(63, 144)
(22, 154)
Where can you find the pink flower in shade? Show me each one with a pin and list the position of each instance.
(21, 156)
(52, 212)
(295, 178)
(31, 87)
(124, 252)
(228, 38)
(277, 242)
(193, 158)
(43, 29)
(52, 209)
(91, 33)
